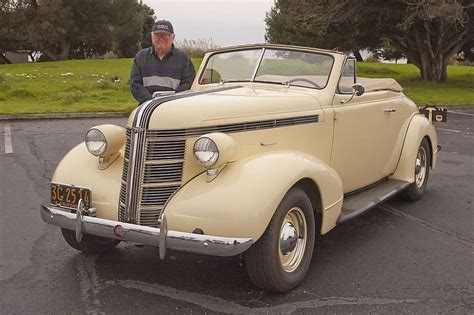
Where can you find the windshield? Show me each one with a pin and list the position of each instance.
(278, 66)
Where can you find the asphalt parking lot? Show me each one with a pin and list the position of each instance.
(398, 258)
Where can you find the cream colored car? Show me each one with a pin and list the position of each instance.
(272, 145)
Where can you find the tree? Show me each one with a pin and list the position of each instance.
(468, 51)
(428, 32)
(132, 23)
(387, 52)
(329, 24)
(148, 17)
(74, 28)
(12, 32)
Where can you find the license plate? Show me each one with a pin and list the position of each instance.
(69, 196)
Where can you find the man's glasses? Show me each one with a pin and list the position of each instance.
(162, 35)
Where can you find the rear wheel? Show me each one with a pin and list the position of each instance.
(416, 189)
(90, 244)
(279, 260)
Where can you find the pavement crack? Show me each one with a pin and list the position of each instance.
(89, 284)
(452, 235)
(209, 302)
(217, 304)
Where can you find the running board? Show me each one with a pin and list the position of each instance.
(360, 202)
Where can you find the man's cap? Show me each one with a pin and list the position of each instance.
(162, 26)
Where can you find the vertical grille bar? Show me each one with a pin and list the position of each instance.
(123, 186)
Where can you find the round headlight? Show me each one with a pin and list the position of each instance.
(206, 152)
(96, 142)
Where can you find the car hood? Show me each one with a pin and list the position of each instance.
(231, 106)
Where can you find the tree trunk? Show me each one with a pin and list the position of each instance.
(62, 54)
(433, 69)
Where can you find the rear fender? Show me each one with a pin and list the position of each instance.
(419, 128)
(242, 199)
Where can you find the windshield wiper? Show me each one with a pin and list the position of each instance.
(271, 82)
(222, 81)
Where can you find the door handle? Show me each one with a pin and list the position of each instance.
(390, 110)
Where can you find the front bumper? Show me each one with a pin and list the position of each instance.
(163, 238)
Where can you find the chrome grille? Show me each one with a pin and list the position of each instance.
(165, 150)
(155, 196)
(162, 175)
(150, 217)
(127, 144)
(125, 170)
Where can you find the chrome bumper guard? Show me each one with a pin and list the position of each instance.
(188, 242)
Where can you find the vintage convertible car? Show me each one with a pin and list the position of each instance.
(272, 145)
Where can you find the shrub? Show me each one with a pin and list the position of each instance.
(75, 87)
(108, 55)
(72, 97)
(22, 93)
(105, 85)
(196, 48)
(372, 59)
(3, 80)
(380, 70)
(115, 79)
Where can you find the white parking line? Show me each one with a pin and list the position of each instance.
(461, 113)
(8, 140)
(450, 130)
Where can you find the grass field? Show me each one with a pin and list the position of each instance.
(102, 85)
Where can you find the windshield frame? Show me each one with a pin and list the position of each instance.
(257, 66)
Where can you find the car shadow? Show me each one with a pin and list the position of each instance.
(336, 255)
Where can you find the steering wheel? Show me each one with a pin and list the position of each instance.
(303, 80)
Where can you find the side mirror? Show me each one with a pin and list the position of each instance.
(358, 89)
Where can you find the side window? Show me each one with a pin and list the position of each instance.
(347, 77)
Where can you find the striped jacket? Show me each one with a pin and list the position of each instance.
(150, 74)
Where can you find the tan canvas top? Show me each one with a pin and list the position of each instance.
(372, 84)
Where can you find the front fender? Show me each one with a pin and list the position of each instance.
(80, 168)
(242, 199)
(419, 128)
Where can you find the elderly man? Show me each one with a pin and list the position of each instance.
(161, 67)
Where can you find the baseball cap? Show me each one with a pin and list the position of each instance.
(162, 26)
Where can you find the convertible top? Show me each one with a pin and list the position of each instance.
(372, 85)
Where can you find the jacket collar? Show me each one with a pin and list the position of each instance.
(172, 50)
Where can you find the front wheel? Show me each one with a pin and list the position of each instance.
(90, 244)
(416, 189)
(279, 260)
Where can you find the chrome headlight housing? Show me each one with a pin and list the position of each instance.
(96, 142)
(206, 152)
(213, 150)
(105, 140)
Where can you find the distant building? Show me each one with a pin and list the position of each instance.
(16, 57)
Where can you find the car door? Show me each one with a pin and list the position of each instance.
(368, 132)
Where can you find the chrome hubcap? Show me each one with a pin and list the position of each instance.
(293, 236)
(288, 238)
(420, 167)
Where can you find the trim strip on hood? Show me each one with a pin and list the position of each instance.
(144, 112)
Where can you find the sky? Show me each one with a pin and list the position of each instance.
(226, 22)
